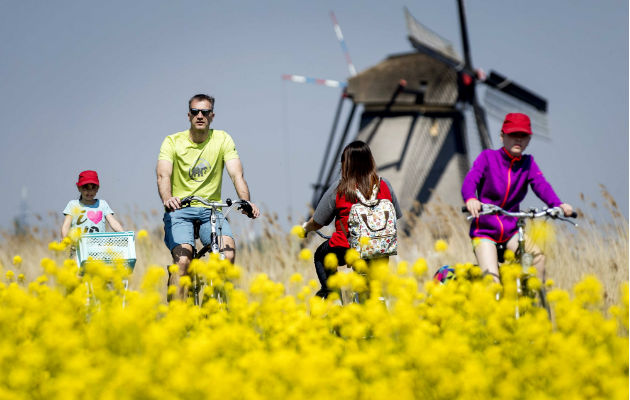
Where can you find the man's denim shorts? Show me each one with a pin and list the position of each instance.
(178, 226)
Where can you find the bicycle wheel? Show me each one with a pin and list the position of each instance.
(197, 289)
(538, 295)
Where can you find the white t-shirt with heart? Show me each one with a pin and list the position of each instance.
(89, 217)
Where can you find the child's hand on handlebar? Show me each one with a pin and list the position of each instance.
(473, 206)
(567, 209)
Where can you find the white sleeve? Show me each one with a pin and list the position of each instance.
(105, 208)
(69, 207)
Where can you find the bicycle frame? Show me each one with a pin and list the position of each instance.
(347, 296)
(525, 259)
(215, 245)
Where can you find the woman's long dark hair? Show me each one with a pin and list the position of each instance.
(358, 171)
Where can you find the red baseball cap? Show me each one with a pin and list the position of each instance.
(516, 122)
(86, 177)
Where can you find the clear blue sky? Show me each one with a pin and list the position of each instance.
(98, 85)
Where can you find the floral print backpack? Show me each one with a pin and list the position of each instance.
(372, 226)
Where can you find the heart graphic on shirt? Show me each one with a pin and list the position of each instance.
(95, 216)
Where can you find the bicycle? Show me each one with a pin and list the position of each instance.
(110, 248)
(348, 296)
(215, 246)
(524, 258)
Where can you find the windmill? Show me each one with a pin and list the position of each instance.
(414, 116)
(318, 188)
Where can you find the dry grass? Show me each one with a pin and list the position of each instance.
(599, 246)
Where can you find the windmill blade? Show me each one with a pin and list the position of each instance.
(523, 94)
(504, 96)
(482, 124)
(425, 40)
(316, 81)
(342, 42)
(498, 104)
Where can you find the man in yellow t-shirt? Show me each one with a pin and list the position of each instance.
(191, 164)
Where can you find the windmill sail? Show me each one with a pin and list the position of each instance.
(504, 96)
(424, 36)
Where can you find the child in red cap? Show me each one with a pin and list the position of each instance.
(501, 177)
(88, 213)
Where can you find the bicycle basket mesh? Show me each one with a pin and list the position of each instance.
(108, 247)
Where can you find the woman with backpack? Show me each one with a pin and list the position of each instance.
(364, 208)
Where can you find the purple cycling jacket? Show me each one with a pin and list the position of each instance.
(500, 179)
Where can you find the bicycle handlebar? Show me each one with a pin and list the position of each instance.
(242, 204)
(554, 212)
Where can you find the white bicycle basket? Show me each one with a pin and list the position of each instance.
(109, 247)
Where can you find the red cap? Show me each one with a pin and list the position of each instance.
(86, 177)
(516, 122)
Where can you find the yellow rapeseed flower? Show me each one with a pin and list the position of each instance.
(275, 336)
(76, 211)
(533, 283)
(10, 275)
(305, 254)
(509, 255)
(184, 281)
(475, 271)
(419, 267)
(296, 278)
(17, 260)
(298, 231)
(75, 234)
(173, 268)
(352, 256)
(364, 240)
(330, 261)
(142, 234)
(440, 245)
(542, 233)
(360, 266)
(57, 246)
(403, 268)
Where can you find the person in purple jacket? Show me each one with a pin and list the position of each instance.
(501, 177)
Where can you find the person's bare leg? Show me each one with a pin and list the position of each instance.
(229, 248)
(486, 253)
(182, 255)
(530, 247)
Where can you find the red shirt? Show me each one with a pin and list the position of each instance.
(342, 212)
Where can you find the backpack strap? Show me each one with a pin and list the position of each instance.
(373, 200)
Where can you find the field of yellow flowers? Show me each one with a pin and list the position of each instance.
(70, 336)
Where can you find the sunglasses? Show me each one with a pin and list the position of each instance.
(195, 111)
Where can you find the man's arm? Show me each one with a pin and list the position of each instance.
(164, 171)
(235, 170)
